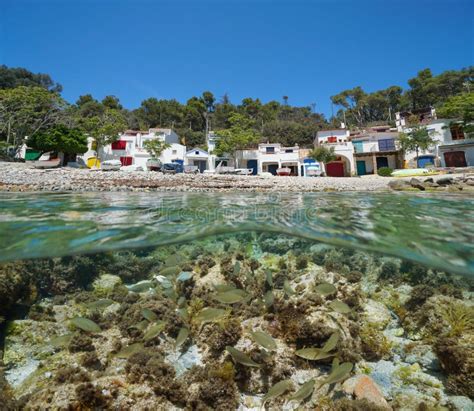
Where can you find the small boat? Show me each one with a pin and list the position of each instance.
(93, 162)
(111, 165)
(243, 171)
(283, 171)
(153, 164)
(414, 172)
(46, 164)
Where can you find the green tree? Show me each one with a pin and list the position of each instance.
(418, 138)
(322, 154)
(239, 136)
(59, 138)
(461, 108)
(25, 111)
(104, 127)
(155, 147)
(11, 77)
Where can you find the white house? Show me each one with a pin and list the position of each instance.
(130, 149)
(206, 159)
(452, 147)
(340, 140)
(375, 148)
(267, 158)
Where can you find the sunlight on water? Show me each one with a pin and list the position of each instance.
(437, 231)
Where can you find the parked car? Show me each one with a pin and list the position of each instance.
(172, 168)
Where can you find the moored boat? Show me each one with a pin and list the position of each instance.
(283, 171)
(111, 165)
(45, 164)
(153, 164)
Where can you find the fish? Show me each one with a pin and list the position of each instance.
(140, 287)
(182, 337)
(325, 289)
(149, 315)
(331, 343)
(265, 340)
(231, 296)
(170, 271)
(278, 389)
(60, 340)
(224, 287)
(269, 278)
(154, 330)
(129, 350)
(86, 325)
(287, 288)
(236, 268)
(313, 354)
(142, 325)
(240, 357)
(210, 314)
(340, 307)
(184, 276)
(339, 373)
(304, 392)
(269, 299)
(100, 304)
(335, 363)
(174, 260)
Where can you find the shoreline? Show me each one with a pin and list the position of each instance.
(21, 177)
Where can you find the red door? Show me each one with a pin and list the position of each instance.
(126, 161)
(455, 159)
(335, 169)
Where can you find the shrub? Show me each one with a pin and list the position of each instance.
(385, 171)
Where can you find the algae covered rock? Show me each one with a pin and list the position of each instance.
(105, 284)
(363, 387)
(376, 314)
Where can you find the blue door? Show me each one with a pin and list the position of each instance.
(382, 162)
(361, 169)
(424, 160)
(253, 165)
(272, 168)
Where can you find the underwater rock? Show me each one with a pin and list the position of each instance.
(423, 355)
(183, 362)
(461, 403)
(105, 284)
(26, 340)
(363, 387)
(376, 314)
(457, 360)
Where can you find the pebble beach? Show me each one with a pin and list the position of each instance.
(23, 177)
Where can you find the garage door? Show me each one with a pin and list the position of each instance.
(335, 169)
(455, 159)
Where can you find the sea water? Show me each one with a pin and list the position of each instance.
(236, 301)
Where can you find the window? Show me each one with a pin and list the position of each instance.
(387, 144)
(288, 150)
(119, 145)
(269, 150)
(174, 152)
(456, 132)
(196, 152)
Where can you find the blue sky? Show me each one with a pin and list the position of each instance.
(307, 50)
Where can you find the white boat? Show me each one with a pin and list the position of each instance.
(131, 168)
(283, 171)
(153, 164)
(111, 165)
(243, 171)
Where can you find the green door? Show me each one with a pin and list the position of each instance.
(361, 170)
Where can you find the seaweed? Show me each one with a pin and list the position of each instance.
(90, 396)
(80, 342)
